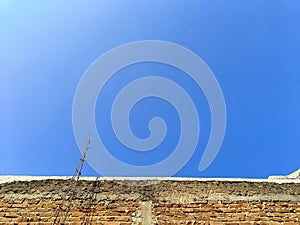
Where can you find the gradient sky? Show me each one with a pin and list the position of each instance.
(252, 46)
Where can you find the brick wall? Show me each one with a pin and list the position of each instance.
(173, 201)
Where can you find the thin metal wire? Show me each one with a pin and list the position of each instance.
(91, 207)
(63, 209)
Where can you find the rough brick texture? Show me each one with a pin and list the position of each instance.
(152, 202)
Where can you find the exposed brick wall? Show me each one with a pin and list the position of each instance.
(228, 212)
(164, 202)
(42, 211)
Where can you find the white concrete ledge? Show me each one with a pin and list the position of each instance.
(11, 178)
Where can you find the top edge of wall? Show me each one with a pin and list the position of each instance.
(271, 179)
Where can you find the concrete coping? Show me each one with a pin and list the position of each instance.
(272, 179)
(294, 175)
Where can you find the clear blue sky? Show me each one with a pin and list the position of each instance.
(253, 48)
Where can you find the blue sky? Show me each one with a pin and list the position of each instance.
(252, 47)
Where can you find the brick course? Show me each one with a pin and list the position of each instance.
(124, 202)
